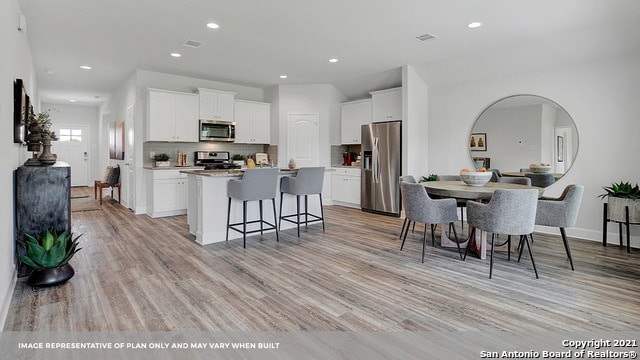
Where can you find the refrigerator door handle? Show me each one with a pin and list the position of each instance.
(375, 161)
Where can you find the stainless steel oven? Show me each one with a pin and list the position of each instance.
(213, 130)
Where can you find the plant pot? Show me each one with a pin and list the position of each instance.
(51, 277)
(616, 209)
(162, 163)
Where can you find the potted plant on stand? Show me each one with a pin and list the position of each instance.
(49, 256)
(619, 196)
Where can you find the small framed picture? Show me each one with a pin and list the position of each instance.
(478, 142)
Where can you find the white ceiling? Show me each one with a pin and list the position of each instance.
(258, 40)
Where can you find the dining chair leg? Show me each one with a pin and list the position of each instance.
(566, 246)
(406, 231)
(472, 233)
(275, 216)
(280, 218)
(424, 241)
(520, 247)
(433, 236)
(493, 243)
(321, 211)
(455, 234)
(404, 224)
(531, 255)
(508, 247)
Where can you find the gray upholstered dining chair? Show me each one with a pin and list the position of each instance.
(406, 222)
(496, 174)
(515, 180)
(540, 180)
(308, 181)
(561, 212)
(420, 208)
(462, 203)
(255, 185)
(510, 212)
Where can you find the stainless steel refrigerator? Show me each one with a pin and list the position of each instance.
(381, 167)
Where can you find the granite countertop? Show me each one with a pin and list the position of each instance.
(227, 173)
(173, 167)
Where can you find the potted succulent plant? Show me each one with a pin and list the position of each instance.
(49, 256)
(621, 195)
(162, 159)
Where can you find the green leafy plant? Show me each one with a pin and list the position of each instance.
(237, 157)
(621, 190)
(49, 251)
(43, 119)
(161, 157)
(431, 177)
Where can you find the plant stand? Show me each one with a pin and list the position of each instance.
(625, 221)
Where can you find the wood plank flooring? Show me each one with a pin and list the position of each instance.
(143, 274)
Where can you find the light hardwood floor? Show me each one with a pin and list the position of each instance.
(138, 273)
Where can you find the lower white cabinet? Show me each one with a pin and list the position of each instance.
(166, 193)
(345, 186)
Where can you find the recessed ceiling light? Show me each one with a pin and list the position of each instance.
(333, 60)
(474, 25)
(283, 76)
(176, 55)
(213, 25)
(85, 67)
(72, 100)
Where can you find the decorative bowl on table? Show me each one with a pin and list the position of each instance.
(540, 168)
(475, 178)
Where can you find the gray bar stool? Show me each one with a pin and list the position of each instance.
(307, 182)
(255, 185)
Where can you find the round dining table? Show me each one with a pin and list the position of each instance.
(460, 190)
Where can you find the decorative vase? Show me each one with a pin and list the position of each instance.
(292, 164)
(51, 277)
(46, 157)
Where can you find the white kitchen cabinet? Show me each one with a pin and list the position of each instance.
(171, 116)
(353, 115)
(386, 105)
(216, 104)
(345, 186)
(253, 122)
(166, 193)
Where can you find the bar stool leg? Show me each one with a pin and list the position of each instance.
(228, 218)
(321, 211)
(298, 212)
(244, 224)
(273, 201)
(306, 211)
(280, 218)
(261, 219)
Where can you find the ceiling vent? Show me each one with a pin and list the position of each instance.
(426, 37)
(192, 43)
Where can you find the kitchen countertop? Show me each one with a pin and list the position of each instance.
(227, 173)
(173, 167)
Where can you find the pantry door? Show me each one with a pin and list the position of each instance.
(72, 147)
(303, 137)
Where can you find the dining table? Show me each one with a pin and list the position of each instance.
(460, 190)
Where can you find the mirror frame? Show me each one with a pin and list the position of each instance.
(544, 99)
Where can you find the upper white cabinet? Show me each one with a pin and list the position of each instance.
(216, 105)
(171, 116)
(386, 105)
(353, 115)
(253, 122)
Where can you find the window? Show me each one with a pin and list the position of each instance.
(69, 135)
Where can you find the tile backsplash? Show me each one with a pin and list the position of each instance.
(172, 148)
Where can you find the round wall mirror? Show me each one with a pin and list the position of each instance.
(519, 131)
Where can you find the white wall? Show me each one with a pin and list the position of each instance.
(323, 99)
(79, 115)
(15, 62)
(415, 109)
(601, 96)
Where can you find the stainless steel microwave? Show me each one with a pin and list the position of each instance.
(214, 130)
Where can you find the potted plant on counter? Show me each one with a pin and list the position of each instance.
(49, 256)
(619, 196)
(162, 159)
(238, 159)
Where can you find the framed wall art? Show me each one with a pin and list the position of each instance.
(478, 142)
(20, 112)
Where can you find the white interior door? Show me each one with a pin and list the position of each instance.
(73, 148)
(129, 180)
(303, 137)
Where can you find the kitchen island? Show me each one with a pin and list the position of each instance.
(207, 205)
